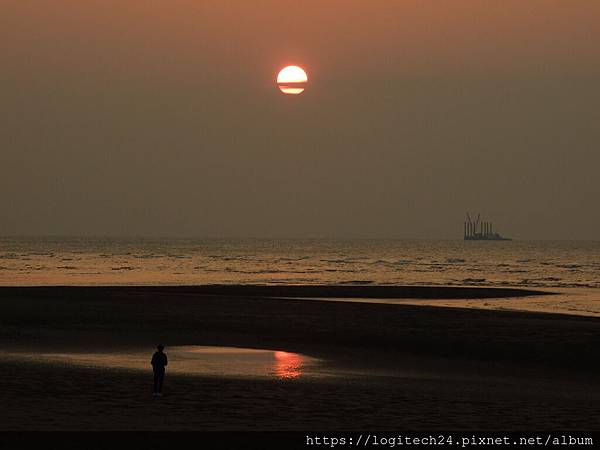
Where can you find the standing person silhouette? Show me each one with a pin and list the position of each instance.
(159, 362)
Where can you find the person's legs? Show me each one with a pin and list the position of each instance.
(161, 378)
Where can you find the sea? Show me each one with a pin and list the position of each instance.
(40, 261)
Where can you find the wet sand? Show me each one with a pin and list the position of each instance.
(415, 367)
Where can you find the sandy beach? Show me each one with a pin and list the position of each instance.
(396, 366)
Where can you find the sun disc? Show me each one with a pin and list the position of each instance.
(292, 80)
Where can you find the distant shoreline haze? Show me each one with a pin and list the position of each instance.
(260, 238)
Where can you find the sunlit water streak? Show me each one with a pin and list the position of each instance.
(73, 261)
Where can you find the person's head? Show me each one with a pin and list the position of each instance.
(160, 347)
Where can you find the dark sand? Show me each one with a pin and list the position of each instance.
(457, 368)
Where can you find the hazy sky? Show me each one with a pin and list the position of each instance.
(131, 117)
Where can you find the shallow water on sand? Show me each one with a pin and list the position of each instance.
(249, 363)
(195, 360)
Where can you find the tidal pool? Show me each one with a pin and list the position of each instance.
(194, 360)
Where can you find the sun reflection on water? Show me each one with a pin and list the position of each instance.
(288, 365)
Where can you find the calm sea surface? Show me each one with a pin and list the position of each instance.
(78, 261)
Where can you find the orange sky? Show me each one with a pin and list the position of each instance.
(127, 112)
(338, 38)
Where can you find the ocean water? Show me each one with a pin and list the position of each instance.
(102, 261)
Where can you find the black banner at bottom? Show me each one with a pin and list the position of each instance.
(307, 440)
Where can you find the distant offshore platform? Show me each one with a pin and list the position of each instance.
(476, 230)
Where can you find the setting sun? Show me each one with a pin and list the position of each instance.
(292, 80)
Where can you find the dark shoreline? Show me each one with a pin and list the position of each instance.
(180, 315)
(457, 368)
